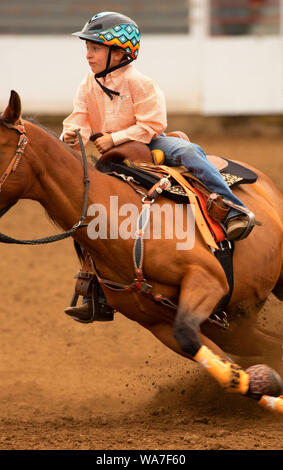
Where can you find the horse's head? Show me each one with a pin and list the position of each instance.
(13, 171)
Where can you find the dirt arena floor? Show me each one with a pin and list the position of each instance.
(65, 385)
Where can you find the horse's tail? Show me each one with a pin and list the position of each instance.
(79, 251)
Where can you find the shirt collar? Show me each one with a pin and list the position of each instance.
(116, 75)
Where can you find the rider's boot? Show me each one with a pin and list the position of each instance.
(85, 314)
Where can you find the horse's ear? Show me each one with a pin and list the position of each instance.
(13, 111)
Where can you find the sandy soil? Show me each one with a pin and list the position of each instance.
(65, 385)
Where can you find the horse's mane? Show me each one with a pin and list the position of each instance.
(36, 123)
(3, 120)
(32, 120)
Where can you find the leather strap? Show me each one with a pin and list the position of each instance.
(23, 140)
(84, 277)
(200, 220)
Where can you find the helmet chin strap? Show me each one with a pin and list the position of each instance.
(109, 70)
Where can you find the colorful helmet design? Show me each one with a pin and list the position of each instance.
(112, 29)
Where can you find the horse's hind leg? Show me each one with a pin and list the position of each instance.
(201, 290)
(246, 339)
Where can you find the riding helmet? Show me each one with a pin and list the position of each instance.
(113, 29)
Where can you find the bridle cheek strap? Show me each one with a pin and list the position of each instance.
(22, 142)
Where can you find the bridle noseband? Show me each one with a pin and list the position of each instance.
(22, 142)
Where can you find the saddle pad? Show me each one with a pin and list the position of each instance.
(235, 174)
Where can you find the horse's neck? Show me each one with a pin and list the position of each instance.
(59, 175)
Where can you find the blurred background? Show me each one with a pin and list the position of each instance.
(211, 57)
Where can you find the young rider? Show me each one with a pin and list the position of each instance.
(125, 105)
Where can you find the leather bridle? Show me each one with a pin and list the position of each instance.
(22, 142)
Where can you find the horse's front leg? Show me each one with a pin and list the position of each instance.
(201, 290)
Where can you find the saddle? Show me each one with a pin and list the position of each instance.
(134, 151)
(137, 162)
(134, 162)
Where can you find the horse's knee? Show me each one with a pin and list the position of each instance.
(186, 333)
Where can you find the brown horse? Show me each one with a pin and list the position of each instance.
(52, 174)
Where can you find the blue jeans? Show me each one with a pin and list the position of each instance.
(101, 297)
(181, 152)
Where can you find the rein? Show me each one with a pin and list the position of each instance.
(22, 142)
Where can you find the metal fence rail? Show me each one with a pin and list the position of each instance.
(238, 17)
(66, 16)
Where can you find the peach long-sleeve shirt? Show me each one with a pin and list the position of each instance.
(138, 113)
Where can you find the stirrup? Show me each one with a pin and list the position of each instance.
(100, 312)
(249, 227)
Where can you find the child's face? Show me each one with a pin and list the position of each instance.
(97, 55)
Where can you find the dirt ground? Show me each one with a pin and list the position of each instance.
(112, 385)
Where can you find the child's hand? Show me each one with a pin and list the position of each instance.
(104, 143)
(71, 138)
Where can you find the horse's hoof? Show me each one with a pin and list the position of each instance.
(263, 381)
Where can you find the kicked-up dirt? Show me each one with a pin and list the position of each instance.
(65, 385)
